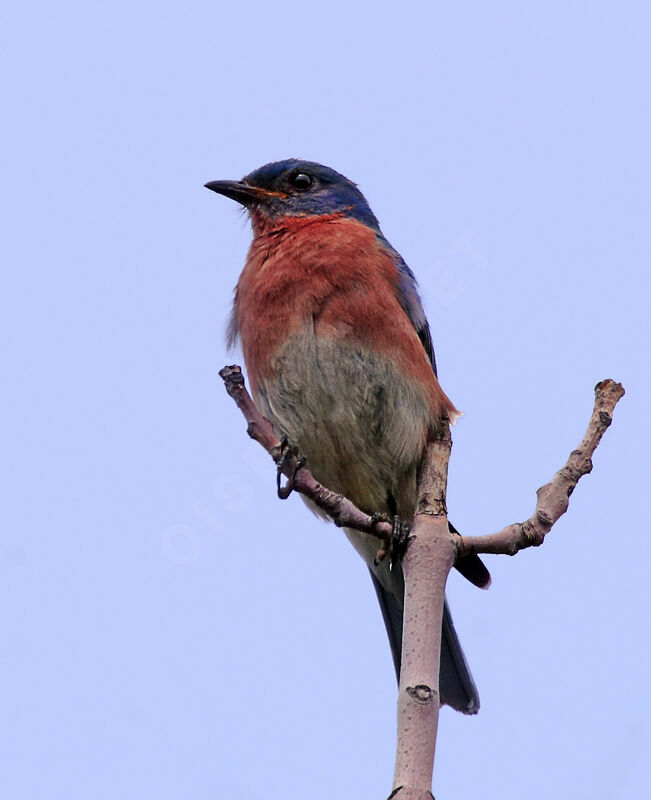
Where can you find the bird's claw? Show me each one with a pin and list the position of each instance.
(384, 548)
(395, 544)
(288, 452)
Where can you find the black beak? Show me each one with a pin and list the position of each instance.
(241, 192)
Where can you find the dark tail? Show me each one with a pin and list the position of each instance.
(472, 567)
(456, 685)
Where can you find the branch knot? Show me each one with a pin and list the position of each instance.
(421, 693)
(531, 537)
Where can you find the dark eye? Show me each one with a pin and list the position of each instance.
(301, 181)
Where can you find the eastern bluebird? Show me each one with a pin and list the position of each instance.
(340, 359)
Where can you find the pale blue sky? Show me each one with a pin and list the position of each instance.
(170, 628)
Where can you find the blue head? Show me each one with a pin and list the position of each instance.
(299, 189)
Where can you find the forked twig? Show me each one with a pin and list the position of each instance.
(427, 561)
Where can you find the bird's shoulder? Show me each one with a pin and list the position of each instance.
(410, 301)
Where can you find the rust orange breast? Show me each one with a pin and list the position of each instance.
(330, 273)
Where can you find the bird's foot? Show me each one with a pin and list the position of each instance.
(288, 454)
(395, 544)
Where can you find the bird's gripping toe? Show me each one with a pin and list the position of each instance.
(395, 544)
(289, 456)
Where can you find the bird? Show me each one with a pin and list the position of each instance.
(340, 359)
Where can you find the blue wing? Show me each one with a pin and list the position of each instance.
(471, 567)
(410, 301)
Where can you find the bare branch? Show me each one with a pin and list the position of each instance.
(553, 497)
(427, 561)
(426, 565)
